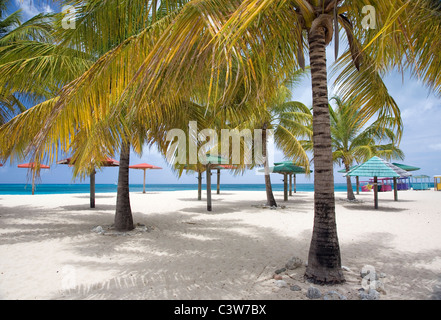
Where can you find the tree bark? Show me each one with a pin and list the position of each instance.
(123, 215)
(324, 261)
(350, 191)
(270, 201)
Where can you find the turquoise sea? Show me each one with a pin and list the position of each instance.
(107, 188)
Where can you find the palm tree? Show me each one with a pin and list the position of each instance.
(252, 39)
(289, 121)
(353, 142)
(210, 34)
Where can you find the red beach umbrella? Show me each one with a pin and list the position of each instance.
(31, 165)
(108, 162)
(144, 167)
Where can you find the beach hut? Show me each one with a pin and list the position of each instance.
(108, 162)
(144, 167)
(420, 182)
(436, 184)
(379, 168)
(32, 165)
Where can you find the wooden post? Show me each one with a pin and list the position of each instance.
(290, 185)
(295, 184)
(218, 181)
(33, 182)
(208, 172)
(199, 185)
(357, 179)
(376, 192)
(285, 187)
(395, 189)
(143, 187)
(92, 189)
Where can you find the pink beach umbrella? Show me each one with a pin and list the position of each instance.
(32, 165)
(144, 167)
(108, 162)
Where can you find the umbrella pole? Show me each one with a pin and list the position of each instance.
(92, 189)
(395, 190)
(357, 179)
(285, 187)
(199, 185)
(208, 171)
(295, 184)
(143, 186)
(290, 185)
(33, 182)
(218, 181)
(376, 192)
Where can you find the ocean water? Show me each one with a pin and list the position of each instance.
(108, 188)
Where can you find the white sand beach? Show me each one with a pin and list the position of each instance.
(49, 251)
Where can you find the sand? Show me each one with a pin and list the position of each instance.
(49, 249)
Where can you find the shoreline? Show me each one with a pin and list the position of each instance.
(50, 251)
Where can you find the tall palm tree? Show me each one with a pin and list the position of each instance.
(289, 121)
(210, 34)
(353, 142)
(252, 39)
(116, 21)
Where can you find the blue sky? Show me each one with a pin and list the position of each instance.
(421, 143)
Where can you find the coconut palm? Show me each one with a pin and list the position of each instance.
(289, 120)
(252, 39)
(352, 142)
(209, 35)
(129, 17)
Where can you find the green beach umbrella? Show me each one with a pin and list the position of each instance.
(286, 168)
(378, 168)
(406, 167)
(211, 162)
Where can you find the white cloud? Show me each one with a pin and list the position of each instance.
(435, 146)
(31, 8)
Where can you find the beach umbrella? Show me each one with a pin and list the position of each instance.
(406, 167)
(293, 175)
(32, 165)
(144, 167)
(378, 168)
(357, 179)
(218, 169)
(108, 162)
(212, 161)
(286, 168)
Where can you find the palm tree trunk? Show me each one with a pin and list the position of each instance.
(350, 192)
(270, 201)
(123, 215)
(324, 261)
